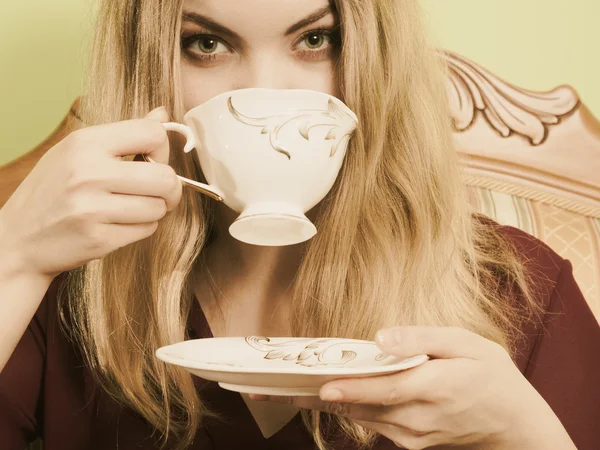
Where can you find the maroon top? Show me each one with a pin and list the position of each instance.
(46, 391)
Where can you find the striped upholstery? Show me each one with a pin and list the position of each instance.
(574, 236)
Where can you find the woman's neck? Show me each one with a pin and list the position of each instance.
(233, 277)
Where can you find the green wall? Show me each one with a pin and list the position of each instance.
(533, 43)
(42, 46)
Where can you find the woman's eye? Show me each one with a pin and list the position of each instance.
(205, 48)
(315, 40)
(208, 45)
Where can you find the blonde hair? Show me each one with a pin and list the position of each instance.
(397, 242)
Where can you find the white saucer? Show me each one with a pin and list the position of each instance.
(282, 366)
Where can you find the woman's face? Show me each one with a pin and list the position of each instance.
(280, 44)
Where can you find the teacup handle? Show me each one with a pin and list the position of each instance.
(211, 191)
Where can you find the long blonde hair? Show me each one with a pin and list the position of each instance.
(397, 242)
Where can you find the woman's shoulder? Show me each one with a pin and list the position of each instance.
(564, 310)
(543, 266)
(532, 248)
(557, 354)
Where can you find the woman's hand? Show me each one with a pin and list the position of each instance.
(471, 395)
(82, 201)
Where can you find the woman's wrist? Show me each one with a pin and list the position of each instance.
(537, 440)
(540, 430)
(12, 262)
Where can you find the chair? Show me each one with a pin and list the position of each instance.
(531, 160)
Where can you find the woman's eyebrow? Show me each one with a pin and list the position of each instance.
(212, 25)
(208, 23)
(310, 19)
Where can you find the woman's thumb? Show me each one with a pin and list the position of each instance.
(161, 114)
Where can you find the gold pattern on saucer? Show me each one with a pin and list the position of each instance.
(309, 118)
(308, 352)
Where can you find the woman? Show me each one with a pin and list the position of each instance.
(105, 259)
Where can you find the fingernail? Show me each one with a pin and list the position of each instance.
(388, 338)
(331, 395)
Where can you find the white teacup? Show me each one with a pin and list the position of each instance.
(270, 155)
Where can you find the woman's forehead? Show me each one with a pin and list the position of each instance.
(265, 15)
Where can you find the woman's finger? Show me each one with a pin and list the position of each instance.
(437, 342)
(125, 138)
(147, 179)
(122, 235)
(351, 411)
(131, 209)
(161, 114)
(401, 387)
(160, 154)
(412, 419)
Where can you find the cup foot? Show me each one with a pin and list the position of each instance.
(272, 229)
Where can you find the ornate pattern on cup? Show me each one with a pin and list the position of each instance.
(342, 125)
